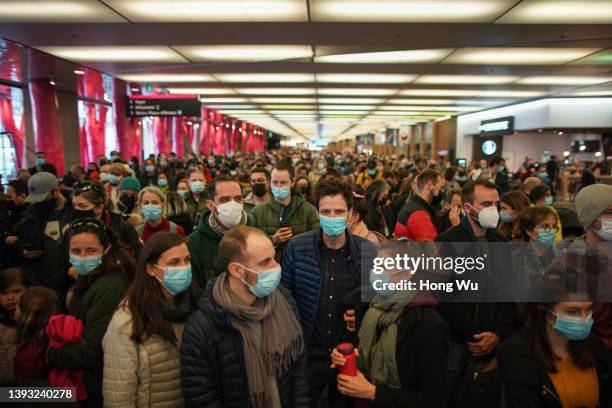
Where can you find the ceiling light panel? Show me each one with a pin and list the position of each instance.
(440, 92)
(560, 11)
(288, 107)
(356, 91)
(225, 107)
(114, 53)
(265, 78)
(466, 79)
(211, 10)
(603, 57)
(350, 101)
(365, 78)
(420, 101)
(563, 80)
(509, 94)
(250, 53)
(276, 91)
(387, 57)
(56, 11)
(202, 91)
(224, 100)
(409, 10)
(594, 93)
(166, 77)
(523, 56)
(284, 100)
(345, 107)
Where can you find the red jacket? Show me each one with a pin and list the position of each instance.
(149, 230)
(415, 221)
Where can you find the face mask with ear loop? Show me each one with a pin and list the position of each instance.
(267, 281)
(605, 232)
(487, 217)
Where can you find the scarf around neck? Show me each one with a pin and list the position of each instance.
(377, 352)
(218, 229)
(281, 343)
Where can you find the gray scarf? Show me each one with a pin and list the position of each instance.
(219, 230)
(282, 339)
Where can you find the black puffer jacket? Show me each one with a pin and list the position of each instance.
(213, 372)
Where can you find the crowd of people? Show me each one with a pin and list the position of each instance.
(230, 282)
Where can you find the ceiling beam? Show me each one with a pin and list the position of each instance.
(404, 35)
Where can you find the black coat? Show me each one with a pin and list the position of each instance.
(467, 319)
(526, 382)
(213, 372)
(422, 342)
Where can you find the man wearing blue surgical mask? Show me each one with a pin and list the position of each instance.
(320, 268)
(245, 319)
(285, 214)
(148, 177)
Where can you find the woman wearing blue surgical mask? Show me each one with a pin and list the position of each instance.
(141, 345)
(513, 204)
(151, 202)
(556, 361)
(162, 182)
(196, 201)
(533, 247)
(103, 266)
(541, 196)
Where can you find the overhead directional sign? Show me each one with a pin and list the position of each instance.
(139, 106)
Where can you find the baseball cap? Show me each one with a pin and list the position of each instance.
(40, 185)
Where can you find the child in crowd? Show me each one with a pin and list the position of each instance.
(12, 285)
(36, 306)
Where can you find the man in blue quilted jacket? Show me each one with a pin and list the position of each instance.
(320, 268)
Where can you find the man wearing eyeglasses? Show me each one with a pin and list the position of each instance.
(41, 235)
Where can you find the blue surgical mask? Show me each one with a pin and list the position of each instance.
(267, 281)
(332, 227)
(151, 212)
(372, 173)
(548, 200)
(545, 237)
(149, 168)
(176, 279)
(505, 217)
(574, 328)
(197, 186)
(183, 193)
(85, 265)
(40, 161)
(281, 193)
(113, 179)
(501, 169)
(162, 182)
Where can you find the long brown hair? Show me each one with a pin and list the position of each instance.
(556, 285)
(36, 305)
(530, 218)
(519, 202)
(145, 297)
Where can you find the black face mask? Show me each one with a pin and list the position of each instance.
(435, 200)
(47, 205)
(259, 189)
(77, 214)
(126, 203)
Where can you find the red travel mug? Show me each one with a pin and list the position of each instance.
(350, 367)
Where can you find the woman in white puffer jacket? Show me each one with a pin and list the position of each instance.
(141, 355)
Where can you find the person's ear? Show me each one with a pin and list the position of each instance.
(153, 271)
(235, 270)
(98, 209)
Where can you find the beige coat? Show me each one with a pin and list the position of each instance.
(145, 375)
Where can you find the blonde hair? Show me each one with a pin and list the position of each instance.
(157, 192)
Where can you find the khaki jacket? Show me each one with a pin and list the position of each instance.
(139, 375)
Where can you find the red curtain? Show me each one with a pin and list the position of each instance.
(45, 117)
(7, 118)
(161, 130)
(92, 132)
(180, 130)
(93, 128)
(10, 61)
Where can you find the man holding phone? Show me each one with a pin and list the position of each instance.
(285, 214)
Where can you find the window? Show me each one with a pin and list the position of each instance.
(8, 159)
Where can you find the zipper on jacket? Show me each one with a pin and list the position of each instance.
(554, 394)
